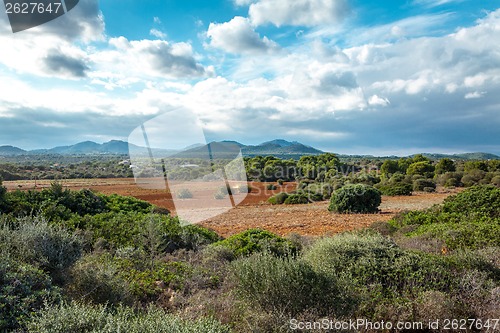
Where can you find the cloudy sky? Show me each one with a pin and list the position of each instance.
(348, 76)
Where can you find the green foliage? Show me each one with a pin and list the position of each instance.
(57, 204)
(256, 240)
(76, 317)
(318, 167)
(473, 177)
(98, 279)
(296, 199)
(184, 194)
(357, 198)
(473, 235)
(286, 285)
(23, 290)
(270, 168)
(317, 191)
(424, 168)
(118, 203)
(34, 241)
(366, 259)
(389, 167)
(470, 219)
(422, 184)
(137, 230)
(445, 165)
(475, 201)
(278, 199)
(475, 165)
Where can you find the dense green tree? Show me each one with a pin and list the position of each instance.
(389, 167)
(475, 165)
(445, 165)
(424, 168)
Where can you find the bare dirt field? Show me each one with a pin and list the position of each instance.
(254, 212)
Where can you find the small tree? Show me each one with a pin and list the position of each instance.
(424, 168)
(359, 198)
(445, 165)
(389, 167)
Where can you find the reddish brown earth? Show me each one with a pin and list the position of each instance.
(254, 212)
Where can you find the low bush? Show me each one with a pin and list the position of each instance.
(131, 229)
(368, 259)
(296, 199)
(357, 198)
(278, 199)
(96, 279)
(32, 240)
(421, 184)
(286, 285)
(77, 317)
(256, 240)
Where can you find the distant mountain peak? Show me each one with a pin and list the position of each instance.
(281, 143)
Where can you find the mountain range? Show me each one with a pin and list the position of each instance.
(280, 148)
(116, 147)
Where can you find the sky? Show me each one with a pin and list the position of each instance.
(346, 76)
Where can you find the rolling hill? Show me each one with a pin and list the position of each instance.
(279, 148)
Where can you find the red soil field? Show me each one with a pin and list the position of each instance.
(254, 212)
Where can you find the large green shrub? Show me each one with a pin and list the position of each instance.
(49, 247)
(98, 279)
(470, 219)
(357, 198)
(478, 200)
(422, 184)
(286, 285)
(367, 259)
(278, 199)
(445, 165)
(23, 290)
(136, 229)
(424, 168)
(296, 199)
(256, 240)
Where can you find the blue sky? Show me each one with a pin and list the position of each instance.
(348, 76)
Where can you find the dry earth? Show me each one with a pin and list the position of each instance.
(311, 220)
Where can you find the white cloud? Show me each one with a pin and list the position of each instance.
(378, 101)
(148, 58)
(474, 95)
(238, 36)
(157, 33)
(298, 12)
(434, 3)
